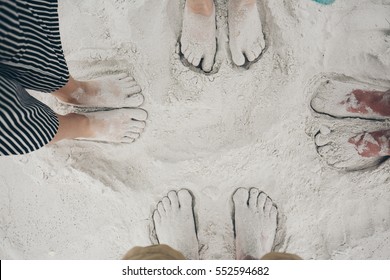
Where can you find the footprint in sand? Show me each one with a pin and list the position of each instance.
(342, 97)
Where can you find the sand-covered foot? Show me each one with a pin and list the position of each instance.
(118, 126)
(353, 152)
(198, 41)
(255, 223)
(343, 99)
(246, 39)
(115, 91)
(175, 225)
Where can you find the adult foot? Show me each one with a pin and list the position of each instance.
(198, 41)
(341, 99)
(255, 222)
(175, 225)
(246, 37)
(353, 152)
(113, 91)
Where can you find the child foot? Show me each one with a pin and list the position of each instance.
(174, 223)
(120, 125)
(353, 152)
(255, 222)
(114, 91)
(246, 37)
(198, 41)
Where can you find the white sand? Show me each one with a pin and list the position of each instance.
(210, 134)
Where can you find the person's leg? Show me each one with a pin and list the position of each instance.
(280, 256)
(198, 41)
(255, 222)
(154, 252)
(246, 39)
(175, 225)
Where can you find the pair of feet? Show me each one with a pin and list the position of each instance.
(198, 39)
(344, 100)
(121, 121)
(254, 220)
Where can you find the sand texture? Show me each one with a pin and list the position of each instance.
(235, 127)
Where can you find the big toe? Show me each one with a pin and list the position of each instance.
(208, 62)
(240, 197)
(238, 57)
(185, 199)
(138, 114)
(318, 103)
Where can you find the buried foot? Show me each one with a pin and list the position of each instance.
(198, 41)
(114, 91)
(353, 152)
(175, 225)
(342, 99)
(255, 223)
(118, 126)
(246, 37)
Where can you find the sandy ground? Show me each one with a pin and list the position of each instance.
(207, 133)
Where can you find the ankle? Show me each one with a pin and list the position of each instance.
(202, 7)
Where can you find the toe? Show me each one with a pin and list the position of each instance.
(267, 206)
(160, 209)
(184, 46)
(257, 50)
(190, 57)
(137, 124)
(126, 139)
(238, 57)
(250, 55)
(324, 150)
(253, 193)
(196, 61)
(135, 99)
(172, 195)
(121, 76)
(138, 114)
(322, 140)
(273, 213)
(207, 63)
(261, 199)
(185, 199)
(156, 216)
(318, 103)
(134, 89)
(133, 135)
(240, 197)
(136, 130)
(167, 203)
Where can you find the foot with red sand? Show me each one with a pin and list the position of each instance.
(349, 98)
(372, 144)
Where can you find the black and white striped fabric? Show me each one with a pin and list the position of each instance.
(31, 57)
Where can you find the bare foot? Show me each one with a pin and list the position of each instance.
(246, 37)
(114, 91)
(175, 225)
(121, 125)
(353, 152)
(343, 99)
(255, 222)
(198, 41)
